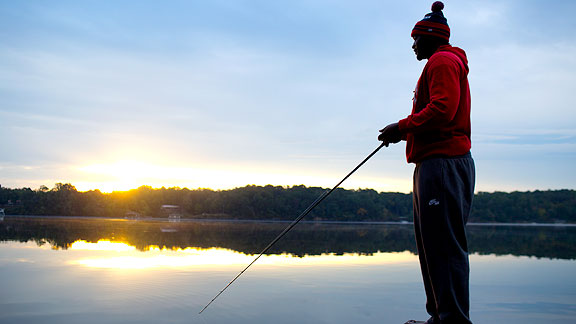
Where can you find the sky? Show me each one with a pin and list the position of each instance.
(113, 95)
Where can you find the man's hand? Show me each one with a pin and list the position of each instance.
(390, 134)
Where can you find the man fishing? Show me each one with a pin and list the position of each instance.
(437, 135)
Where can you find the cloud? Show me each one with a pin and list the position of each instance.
(523, 86)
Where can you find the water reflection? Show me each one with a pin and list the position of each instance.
(248, 239)
(122, 256)
(101, 245)
(87, 271)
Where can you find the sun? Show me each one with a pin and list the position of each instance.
(118, 176)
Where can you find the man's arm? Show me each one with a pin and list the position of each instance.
(444, 87)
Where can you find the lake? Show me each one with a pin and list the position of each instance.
(80, 270)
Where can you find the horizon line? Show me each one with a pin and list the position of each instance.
(41, 188)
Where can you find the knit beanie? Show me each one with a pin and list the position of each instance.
(433, 24)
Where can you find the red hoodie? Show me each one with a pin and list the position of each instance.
(440, 121)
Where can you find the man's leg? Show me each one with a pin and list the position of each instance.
(443, 190)
(430, 299)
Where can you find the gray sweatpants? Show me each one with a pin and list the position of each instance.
(443, 192)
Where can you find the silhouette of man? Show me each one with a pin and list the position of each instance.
(437, 135)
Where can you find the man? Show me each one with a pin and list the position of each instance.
(437, 135)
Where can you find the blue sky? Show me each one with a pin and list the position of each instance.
(225, 93)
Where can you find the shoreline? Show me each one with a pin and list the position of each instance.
(232, 220)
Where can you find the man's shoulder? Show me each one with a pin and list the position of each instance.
(444, 57)
(446, 60)
(448, 54)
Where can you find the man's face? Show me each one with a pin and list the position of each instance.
(424, 47)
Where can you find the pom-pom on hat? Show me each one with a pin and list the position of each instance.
(433, 24)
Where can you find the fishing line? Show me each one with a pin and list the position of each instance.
(296, 221)
(203, 319)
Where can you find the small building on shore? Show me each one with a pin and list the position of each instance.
(173, 212)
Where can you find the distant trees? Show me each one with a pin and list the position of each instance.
(537, 206)
(279, 203)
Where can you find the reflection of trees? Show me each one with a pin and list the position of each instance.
(541, 242)
(304, 239)
(249, 238)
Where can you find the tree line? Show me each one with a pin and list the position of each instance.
(279, 203)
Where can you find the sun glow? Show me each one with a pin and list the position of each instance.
(102, 245)
(121, 256)
(123, 175)
(128, 174)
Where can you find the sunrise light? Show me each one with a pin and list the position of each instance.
(101, 245)
(121, 256)
(127, 174)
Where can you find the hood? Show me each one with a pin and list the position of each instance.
(458, 52)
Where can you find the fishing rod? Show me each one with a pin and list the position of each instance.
(296, 221)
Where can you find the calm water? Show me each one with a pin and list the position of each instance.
(112, 271)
